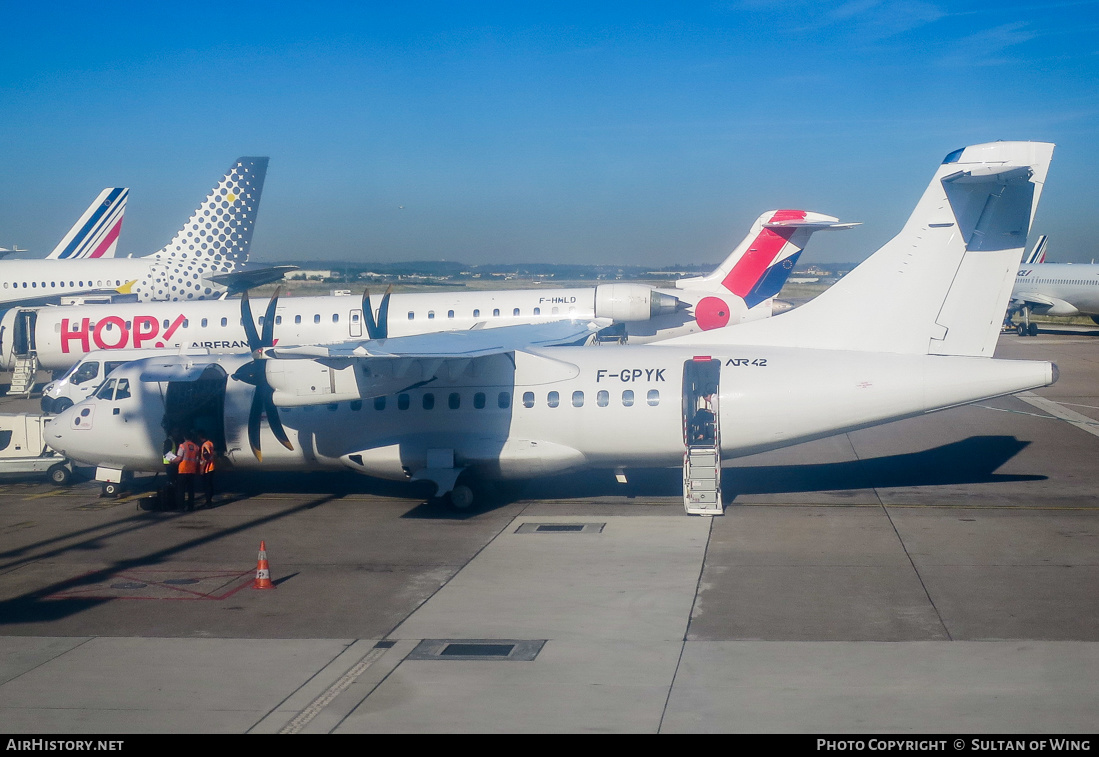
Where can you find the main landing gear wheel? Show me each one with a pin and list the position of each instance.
(59, 474)
(1032, 329)
(461, 497)
(1021, 329)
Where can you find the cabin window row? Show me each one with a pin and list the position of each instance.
(602, 398)
(503, 400)
(55, 284)
(205, 322)
(476, 313)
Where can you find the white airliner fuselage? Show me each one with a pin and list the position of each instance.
(563, 409)
(740, 289)
(1058, 289)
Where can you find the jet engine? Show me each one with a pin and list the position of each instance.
(632, 302)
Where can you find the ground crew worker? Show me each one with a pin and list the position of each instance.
(188, 469)
(206, 456)
(171, 456)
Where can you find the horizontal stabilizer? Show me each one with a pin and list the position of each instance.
(240, 281)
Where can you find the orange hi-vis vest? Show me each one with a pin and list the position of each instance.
(188, 452)
(206, 457)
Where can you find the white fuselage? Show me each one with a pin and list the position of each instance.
(21, 280)
(1059, 288)
(63, 335)
(566, 408)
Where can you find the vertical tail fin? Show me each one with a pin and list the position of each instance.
(942, 284)
(1038, 254)
(218, 235)
(758, 267)
(95, 234)
(215, 240)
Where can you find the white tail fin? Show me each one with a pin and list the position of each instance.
(1038, 254)
(219, 232)
(942, 284)
(95, 234)
(758, 267)
(216, 239)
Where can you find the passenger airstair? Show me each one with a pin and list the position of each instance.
(23, 375)
(702, 481)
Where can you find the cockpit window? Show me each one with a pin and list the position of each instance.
(106, 391)
(122, 391)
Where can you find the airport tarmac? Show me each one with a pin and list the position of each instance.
(934, 575)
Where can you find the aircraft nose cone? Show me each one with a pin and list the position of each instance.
(59, 431)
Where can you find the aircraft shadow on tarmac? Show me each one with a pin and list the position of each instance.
(974, 460)
(969, 461)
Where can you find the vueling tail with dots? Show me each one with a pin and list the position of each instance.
(204, 261)
(200, 261)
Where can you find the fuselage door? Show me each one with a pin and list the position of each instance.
(23, 339)
(355, 323)
(701, 436)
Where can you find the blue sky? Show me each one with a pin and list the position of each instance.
(639, 133)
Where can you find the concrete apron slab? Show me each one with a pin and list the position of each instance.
(137, 685)
(890, 687)
(612, 605)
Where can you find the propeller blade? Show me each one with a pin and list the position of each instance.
(249, 325)
(253, 423)
(383, 314)
(273, 419)
(368, 316)
(269, 319)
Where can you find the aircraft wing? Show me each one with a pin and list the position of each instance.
(475, 342)
(335, 373)
(239, 281)
(1033, 298)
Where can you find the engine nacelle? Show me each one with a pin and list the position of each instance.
(632, 302)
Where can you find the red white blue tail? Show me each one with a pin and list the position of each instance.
(95, 234)
(756, 270)
(758, 267)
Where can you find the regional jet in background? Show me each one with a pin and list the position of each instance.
(1059, 289)
(203, 261)
(460, 408)
(5, 251)
(741, 288)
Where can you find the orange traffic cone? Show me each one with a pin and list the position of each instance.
(263, 573)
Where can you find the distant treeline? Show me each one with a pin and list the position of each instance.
(448, 269)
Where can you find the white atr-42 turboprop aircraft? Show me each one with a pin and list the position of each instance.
(741, 288)
(202, 261)
(909, 331)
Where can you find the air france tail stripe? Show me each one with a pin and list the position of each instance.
(111, 238)
(110, 223)
(107, 210)
(747, 271)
